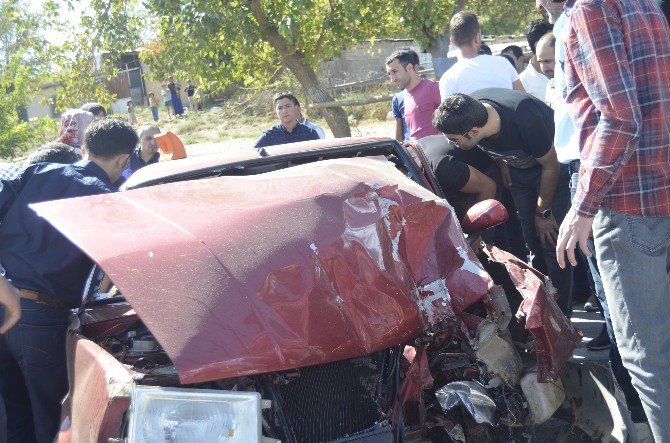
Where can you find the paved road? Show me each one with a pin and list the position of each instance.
(590, 323)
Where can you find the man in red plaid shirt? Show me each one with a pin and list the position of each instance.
(618, 74)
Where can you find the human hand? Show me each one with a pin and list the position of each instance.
(505, 174)
(547, 230)
(9, 299)
(574, 230)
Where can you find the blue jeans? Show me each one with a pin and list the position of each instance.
(634, 262)
(525, 192)
(507, 236)
(618, 370)
(33, 372)
(154, 113)
(3, 422)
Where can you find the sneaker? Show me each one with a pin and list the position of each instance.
(601, 342)
(591, 304)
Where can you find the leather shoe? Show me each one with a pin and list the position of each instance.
(591, 304)
(601, 342)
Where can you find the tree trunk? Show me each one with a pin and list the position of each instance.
(438, 51)
(439, 48)
(335, 117)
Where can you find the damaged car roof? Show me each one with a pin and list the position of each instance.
(290, 268)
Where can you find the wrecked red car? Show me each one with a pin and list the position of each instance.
(314, 292)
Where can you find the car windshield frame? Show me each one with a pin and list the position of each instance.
(271, 162)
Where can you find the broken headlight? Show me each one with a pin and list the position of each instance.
(188, 415)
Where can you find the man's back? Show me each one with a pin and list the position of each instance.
(319, 130)
(472, 74)
(23, 234)
(450, 166)
(619, 84)
(526, 127)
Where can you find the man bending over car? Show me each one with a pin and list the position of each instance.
(49, 272)
(518, 130)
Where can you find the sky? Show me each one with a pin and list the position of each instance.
(71, 16)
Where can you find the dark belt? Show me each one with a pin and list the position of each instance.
(42, 298)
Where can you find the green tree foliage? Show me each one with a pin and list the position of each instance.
(22, 65)
(427, 21)
(80, 79)
(82, 63)
(254, 42)
(250, 41)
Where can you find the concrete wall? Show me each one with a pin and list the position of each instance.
(366, 61)
(39, 105)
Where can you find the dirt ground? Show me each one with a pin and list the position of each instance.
(367, 129)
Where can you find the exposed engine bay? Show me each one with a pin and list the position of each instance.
(371, 319)
(471, 378)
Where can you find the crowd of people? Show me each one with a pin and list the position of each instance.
(573, 139)
(41, 272)
(577, 137)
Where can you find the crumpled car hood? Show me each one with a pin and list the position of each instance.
(302, 266)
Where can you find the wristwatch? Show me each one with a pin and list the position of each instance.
(544, 214)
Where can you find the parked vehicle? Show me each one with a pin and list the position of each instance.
(314, 292)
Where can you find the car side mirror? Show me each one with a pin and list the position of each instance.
(483, 215)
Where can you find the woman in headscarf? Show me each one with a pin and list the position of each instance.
(174, 88)
(73, 124)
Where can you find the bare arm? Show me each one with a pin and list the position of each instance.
(399, 133)
(549, 180)
(479, 184)
(518, 86)
(547, 229)
(9, 299)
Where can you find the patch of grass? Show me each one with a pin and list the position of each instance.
(246, 116)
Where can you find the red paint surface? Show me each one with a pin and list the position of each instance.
(207, 162)
(312, 264)
(484, 214)
(99, 398)
(107, 320)
(554, 335)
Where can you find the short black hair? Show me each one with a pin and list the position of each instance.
(514, 49)
(110, 137)
(459, 113)
(53, 152)
(484, 49)
(509, 59)
(94, 108)
(282, 95)
(535, 30)
(464, 27)
(405, 56)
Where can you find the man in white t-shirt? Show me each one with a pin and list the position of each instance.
(310, 124)
(534, 81)
(473, 72)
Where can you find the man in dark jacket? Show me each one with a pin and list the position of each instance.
(49, 273)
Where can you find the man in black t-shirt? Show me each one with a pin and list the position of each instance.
(190, 93)
(461, 174)
(517, 130)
